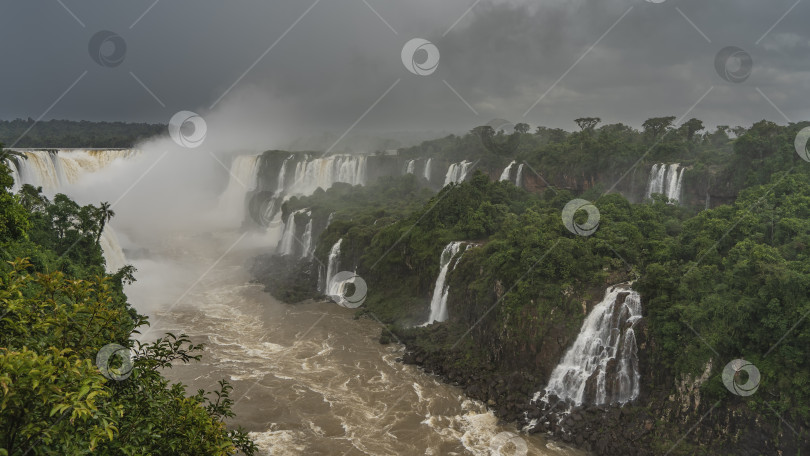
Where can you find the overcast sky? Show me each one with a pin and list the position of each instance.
(621, 60)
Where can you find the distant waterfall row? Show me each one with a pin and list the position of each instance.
(507, 173)
(53, 170)
(602, 365)
(666, 180)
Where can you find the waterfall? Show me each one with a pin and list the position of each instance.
(282, 173)
(519, 178)
(113, 254)
(332, 266)
(438, 304)
(307, 239)
(287, 244)
(243, 178)
(457, 172)
(666, 180)
(507, 171)
(602, 365)
(325, 172)
(410, 167)
(52, 170)
(427, 169)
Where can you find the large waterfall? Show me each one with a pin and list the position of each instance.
(332, 266)
(602, 365)
(243, 178)
(410, 167)
(288, 239)
(519, 178)
(438, 304)
(306, 241)
(666, 180)
(310, 174)
(427, 169)
(53, 170)
(457, 172)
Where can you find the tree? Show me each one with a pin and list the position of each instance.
(587, 123)
(657, 125)
(522, 128)
(105, 214)
(691, 127)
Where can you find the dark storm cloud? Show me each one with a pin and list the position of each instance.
(341, 58)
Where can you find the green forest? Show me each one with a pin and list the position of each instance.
(65, 134)
(717, 284)
(58, 310)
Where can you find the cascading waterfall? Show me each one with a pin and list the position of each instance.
(438, 304)
(282, 173)
(243, 179)
(457, 172)
(666, 180)
(602, 365)
(427, 169)
(325, 172)
(519, 178)
(51, 170)
(111, 249)
(332, 266)
(410, 167)
(306, 240)
(507, 171)
(287, 244)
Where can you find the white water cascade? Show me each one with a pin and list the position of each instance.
(427, 169)
(243, 179)
(457, 172)
(282, 173)
(507, 171)
(287, 244)
(519, 177)
(306, 240)
(325, 172)
(332, 265)
(113, 254)
(51, 170)
(438, 304)
(410, 167)
(666, 180)
(602, 365)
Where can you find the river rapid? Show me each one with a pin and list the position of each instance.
(308, 378)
